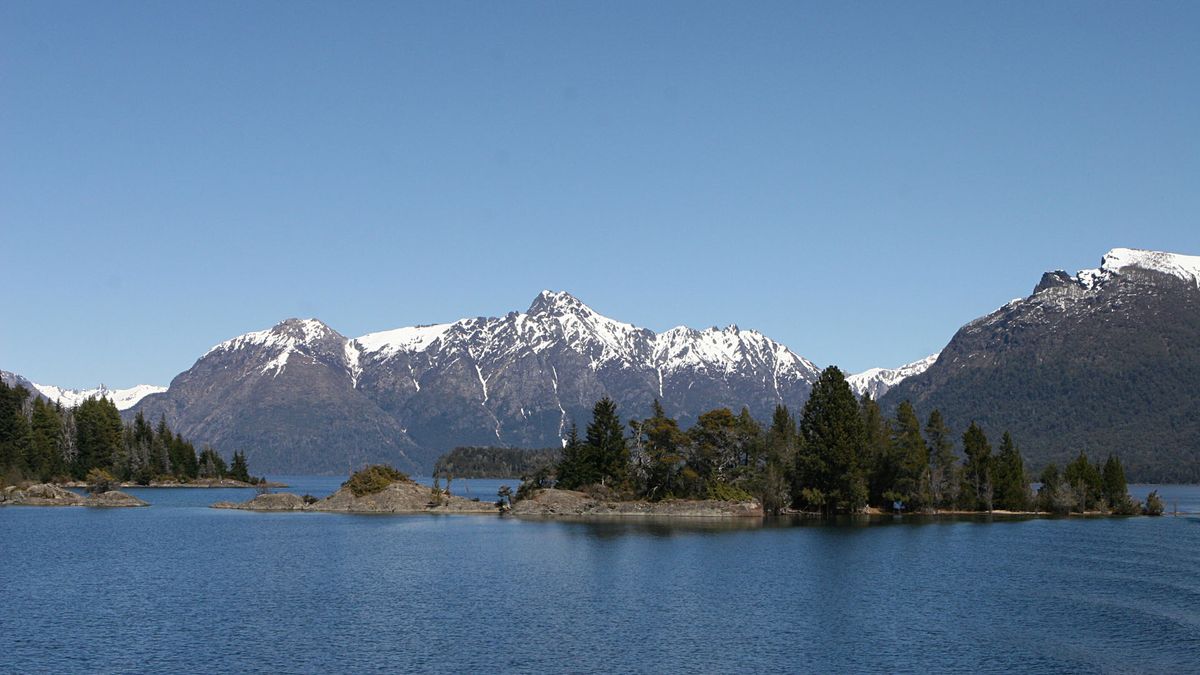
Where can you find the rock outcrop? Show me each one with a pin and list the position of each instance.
(398, 497)
(274, 501)
(46, 494)
(553, 502)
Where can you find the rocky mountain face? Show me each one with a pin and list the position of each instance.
(300, 397)
(1107, 361)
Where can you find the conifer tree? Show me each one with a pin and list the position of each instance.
(574, 470)
(660, 443)
(943, 462)
(829, 474)
(977, 488)
(1084, 479)
(46, 459)
(912, 476)
(880, 465)
(606, 444)
(1012, 487)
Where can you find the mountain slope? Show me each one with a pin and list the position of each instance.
(1106, 361)
(414, 393)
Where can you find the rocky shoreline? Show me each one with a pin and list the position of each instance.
(569, 503)
(197, 483)
(46, 494)
(400, 497)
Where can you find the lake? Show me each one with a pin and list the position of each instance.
(181, 587)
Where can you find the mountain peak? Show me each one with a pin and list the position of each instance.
(555, 302)
(1186, 267)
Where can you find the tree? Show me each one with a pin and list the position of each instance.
(1012, 487)
(1054, 495)
(1084, 479)
(829, 474)
(238, 468)
(912, 467)
(1114, 488)
(659, 444)
(15, 434)
(574, 469)
(942, 460)
(606, 443)
(100, 434)
(977, 484)
(880, 464)
(45, 459)
(779, 451)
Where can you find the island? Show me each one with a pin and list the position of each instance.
(47, 494)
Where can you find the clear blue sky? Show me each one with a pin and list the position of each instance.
(856, 180)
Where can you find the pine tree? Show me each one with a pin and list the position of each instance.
(1012, 487)
(15, 437)
(942, 460)
(1114, 488)
(238, 470)
(912, 476)
(660, 444)
(606, 443)
(780, 447)
(99, 434)
(977, 488)
(574, 471)
(46, 459)
(1084, 479)
(880, 465)
(829, 475)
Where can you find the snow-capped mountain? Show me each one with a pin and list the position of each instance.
(1105, 361)
(519, 379)
(877, 381)
(122, 398)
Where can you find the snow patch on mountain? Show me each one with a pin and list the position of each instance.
(388, 343)
(877, 381)
(1186, 267)
(122, 398)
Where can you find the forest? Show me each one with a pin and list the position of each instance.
(43, 441)
(840, 456)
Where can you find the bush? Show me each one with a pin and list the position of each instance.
(309, 499)
(1154, 505)
(99, 480)
(373, 479)
(727, 493)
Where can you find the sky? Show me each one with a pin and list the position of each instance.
(855, 180)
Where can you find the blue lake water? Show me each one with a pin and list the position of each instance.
(181, 587)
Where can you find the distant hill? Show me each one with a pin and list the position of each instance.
(1107, 361)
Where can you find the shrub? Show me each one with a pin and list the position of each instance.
(99, 480)
(309, 499)
(373, 479)
(727, 493)
(1154, 504)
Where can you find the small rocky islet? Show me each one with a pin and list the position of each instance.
(48, 494)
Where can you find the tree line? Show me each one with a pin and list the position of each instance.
(841, 455)
(45, 441)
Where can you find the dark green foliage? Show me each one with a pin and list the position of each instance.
(880, 461)
(606, 440)
(829, 475)
(42, 441)
(1083, 477)
(374, 479)
(911, 484)
(602, 458)
(944, 470)
(1012, 486)
(658, 454)
(491, 462)
(1114, 488)
(977, 488)
(1054, 495)
(575, 469)
(238, 469)
(100, 435)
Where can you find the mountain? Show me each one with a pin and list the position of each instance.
(1105, 361)
(301, 397)
(122, 398)
(877, 381)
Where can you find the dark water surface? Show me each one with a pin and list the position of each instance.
(183, 588)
